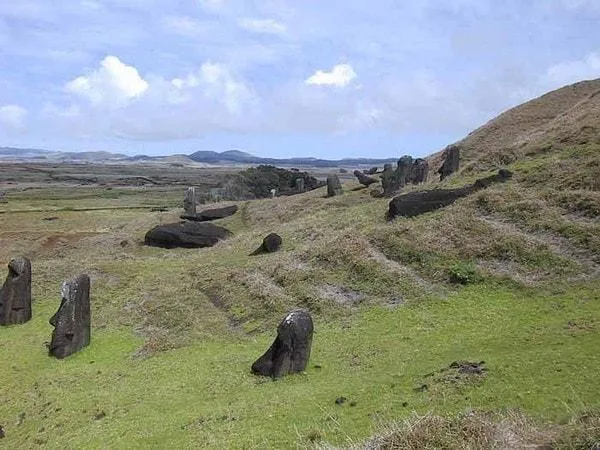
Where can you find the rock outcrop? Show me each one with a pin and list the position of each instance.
(416, 203)
(290, 351)
(72, 325)
(15, 295)
(186, 235)
(212, 214)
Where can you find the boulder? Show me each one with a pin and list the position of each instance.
(290, 351)
(363, 179)
(212, 214)
(270, 244)
(189, 201)
(451, 161)
(416, 203)
(15, 295)
(72, 320)
(186, 235)
(334, 187)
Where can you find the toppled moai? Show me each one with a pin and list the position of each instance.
(416, 203)
(363, 179)
(189, 201)
(15, 294)
(451, 161)
(334, 187)
(72, 321)
(290, 351)
(270, 244)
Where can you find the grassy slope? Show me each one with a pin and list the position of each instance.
(204, 315)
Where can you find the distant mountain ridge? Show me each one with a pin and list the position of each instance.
(206, 157)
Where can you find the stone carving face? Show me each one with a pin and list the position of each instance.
(72, 320)
(290, 351)
(15, 295)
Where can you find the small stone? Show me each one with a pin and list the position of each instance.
(340, 400)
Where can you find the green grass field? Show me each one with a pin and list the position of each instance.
(169, 367)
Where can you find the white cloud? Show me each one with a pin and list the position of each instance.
(266, 26)
(568, 72)
(12, 117)
(340, 76)
(113, 84)
(186, 26)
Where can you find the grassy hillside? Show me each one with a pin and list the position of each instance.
(509, 276)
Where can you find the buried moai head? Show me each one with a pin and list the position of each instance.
(290, 351)
(270, 244)
(451, 161)
(15, 295)
(72, 320)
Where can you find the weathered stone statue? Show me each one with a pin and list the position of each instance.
(189, 201)
(334, 187)
(451, 161)
(72, 320)
(290, 351)
(270, 244)
(420, 169)
(404, 170)
(389, 180)
(299, 185)
(15, 295)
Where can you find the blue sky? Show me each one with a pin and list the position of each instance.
(278, 78)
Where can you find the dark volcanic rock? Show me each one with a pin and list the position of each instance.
(212, 214)
(451, 161)
(363, 179)
(415, 203)
(72, 320)
(334, 187)
(270, 244)
(502, 176)
(186, 235)
(290, 351)
(15, 295)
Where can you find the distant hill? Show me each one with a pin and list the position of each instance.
(229, 157)
(239, 157)
(566, 116)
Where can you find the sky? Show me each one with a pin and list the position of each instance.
(280, 78)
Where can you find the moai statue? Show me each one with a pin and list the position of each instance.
(389, 180)
(404, 170)
(334, 187)
(72, 321)
(420, 170)
(451, 161)
(290, 351)
(189, 201)
(300, 185)
(15, 295)
(273, 193)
